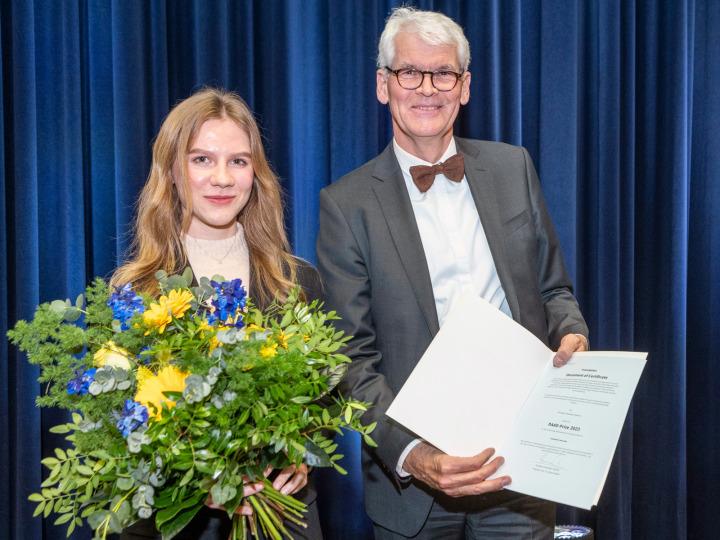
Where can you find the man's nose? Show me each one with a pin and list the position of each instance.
(427, 88)
(221, 177)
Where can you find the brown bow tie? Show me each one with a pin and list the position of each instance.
(424, 175)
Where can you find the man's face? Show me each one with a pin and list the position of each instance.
(425, 115)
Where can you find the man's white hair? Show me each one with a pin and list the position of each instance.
(432, 27)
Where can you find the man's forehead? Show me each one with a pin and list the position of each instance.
(425, 66)
(412, 51)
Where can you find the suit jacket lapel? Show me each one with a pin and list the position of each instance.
(395, 203)
(483, 191)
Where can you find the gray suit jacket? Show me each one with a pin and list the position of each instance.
(376, 276)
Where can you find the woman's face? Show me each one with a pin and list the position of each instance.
(220, 178)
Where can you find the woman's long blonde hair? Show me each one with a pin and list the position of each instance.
(162, 219)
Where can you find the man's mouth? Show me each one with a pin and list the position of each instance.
(428, 108)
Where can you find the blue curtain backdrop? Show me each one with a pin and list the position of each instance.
(616, 100)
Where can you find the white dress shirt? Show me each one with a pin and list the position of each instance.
(456, 248)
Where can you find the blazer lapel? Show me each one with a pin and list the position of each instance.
(483, 191)
(397, 209)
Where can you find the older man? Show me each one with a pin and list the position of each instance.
(431, 218)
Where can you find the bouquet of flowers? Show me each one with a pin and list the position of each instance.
(184, 397)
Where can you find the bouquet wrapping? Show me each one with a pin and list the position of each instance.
(185, 398)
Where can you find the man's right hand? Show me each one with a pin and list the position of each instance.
(455, 476)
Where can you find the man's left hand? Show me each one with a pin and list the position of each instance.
(569, 344)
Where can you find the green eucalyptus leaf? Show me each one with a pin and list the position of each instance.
(96, 518)
(72, 314)
(58, 307)
(124, 484)
(188, 276)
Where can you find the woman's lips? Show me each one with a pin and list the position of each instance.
(220, 199)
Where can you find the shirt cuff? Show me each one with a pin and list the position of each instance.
(402, 473)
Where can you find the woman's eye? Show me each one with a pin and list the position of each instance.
(201, 160)
(239, 162)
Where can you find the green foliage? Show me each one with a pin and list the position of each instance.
(251, 398)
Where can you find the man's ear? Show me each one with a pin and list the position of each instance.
(381, 89)
(465, 89)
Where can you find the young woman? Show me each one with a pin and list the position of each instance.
(211, 201)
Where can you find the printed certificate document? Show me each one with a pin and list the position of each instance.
(485, 381)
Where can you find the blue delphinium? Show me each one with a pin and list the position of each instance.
(230, 300)
(144, 357)
(81, 383)
(125, 303)
(133, 416)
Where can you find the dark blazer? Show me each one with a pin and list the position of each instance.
(376, 277)
(210, 524)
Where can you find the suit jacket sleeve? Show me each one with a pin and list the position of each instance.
(309, 279)
(342, 265)
(562, 312)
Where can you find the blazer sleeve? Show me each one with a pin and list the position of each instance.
(309, 280)
(562, 312)
(342, 265)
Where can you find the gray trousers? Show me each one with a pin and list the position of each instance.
(502, 515)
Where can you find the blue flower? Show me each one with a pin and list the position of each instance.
(144, 357)
(229, 302)
(133, 416)
(81, 383)
(125, 303)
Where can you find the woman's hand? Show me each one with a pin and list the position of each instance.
(291, 479)
(249, 488)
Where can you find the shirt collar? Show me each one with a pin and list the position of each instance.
(407, 160)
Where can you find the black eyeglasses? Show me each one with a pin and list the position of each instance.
(411, 79)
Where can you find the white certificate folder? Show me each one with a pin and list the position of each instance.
(485, 381)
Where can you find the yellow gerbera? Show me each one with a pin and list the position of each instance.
(160, 313)
(157, 315)
(112, 355)
(178, 302)
(151, 387)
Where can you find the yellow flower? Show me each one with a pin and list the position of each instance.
(143, 374)
(112, 355)
(204, 326)
(157, 316)
(214, 343)
(252, 327)
(151, 387)
(178, 302)
(160, 313)
(269, 350)
(283, 338)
